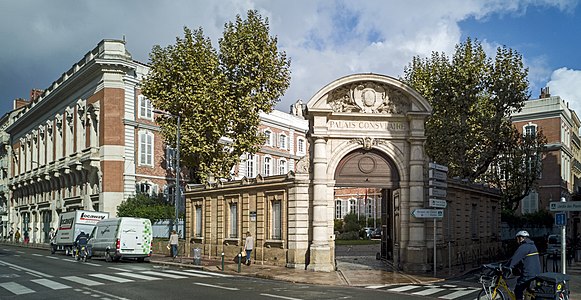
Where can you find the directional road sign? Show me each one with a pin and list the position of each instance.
(565, 206)
(560, 219)
(438, 203)
(438, 167)
(436, 192)
(439, 175)
(428, 213)
(440, 184)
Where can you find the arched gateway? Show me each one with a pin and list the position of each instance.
(367, 130)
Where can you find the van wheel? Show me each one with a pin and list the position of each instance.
(108, 257)
(140, 259)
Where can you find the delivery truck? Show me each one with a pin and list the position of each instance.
(71, 224)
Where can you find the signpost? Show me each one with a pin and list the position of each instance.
(438, 203)
(422, 213)
(438, 176)
(565, 206)
(560, 219)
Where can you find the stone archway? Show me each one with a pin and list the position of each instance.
(367, 112)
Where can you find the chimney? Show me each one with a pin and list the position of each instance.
(545, 92)
(35, 94)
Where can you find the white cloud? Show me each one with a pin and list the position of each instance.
(566, 83)
(324, 39)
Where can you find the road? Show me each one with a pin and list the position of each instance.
(28, 273)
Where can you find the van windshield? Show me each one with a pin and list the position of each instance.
(554, 239)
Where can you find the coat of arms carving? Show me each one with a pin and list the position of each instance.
(368, 97)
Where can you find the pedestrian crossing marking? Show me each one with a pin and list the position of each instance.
(404, 288)
(428, 291)
(16, 288)
(208, 273)
(138, 276)
(187, 273)
(120, 277)
(164, 274)
(456, 294)
(51, 284)
(81, 280)
(111, 278)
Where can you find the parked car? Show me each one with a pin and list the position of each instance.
(366, 232)
(123, 237)
(376, 234)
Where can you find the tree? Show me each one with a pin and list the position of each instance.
(472, 97)
(219, 96)
(516, 170)
(144, 206)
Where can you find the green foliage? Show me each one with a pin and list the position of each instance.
(351, 223)
(539, 218)
(518, 167)
(143, 206)
(472, 97)
(218, 95)
(338, 225)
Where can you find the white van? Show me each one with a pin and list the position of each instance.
(123, 237)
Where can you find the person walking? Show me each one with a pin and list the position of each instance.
(173, 243)
(11, 235)
(17, 236)
(248, 246)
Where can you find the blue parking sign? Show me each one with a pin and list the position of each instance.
(560, 219)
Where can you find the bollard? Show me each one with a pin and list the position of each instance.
(239, 260)
(222, 261)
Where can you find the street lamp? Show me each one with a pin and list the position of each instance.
(177, 166)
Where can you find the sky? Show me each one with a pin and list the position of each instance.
(325, 39)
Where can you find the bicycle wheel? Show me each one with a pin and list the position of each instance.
(499, 295)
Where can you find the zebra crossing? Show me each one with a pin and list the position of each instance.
(444, 291)
(90, 280)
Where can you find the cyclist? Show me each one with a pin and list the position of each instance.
(81, 241)
(525, 259)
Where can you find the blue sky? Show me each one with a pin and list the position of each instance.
(325, 39)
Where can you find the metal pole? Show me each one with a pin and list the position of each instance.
(434, 247)
(563, 243)
(178, 190)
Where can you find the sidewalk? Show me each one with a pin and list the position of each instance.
(347, 273)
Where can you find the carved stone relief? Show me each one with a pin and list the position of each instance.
(368, 142)
(368, 97)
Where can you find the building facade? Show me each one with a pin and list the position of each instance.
(561, 163)
(89, 141)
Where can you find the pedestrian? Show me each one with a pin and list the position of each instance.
(248, 246)
(11, 235)
(26, 236)
(173, 243)
(17, 236)
(51, 235)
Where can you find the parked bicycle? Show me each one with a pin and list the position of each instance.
(547, 286)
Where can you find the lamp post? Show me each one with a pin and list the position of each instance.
(178, 191)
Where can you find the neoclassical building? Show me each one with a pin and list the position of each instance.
(90, 141)
(86, 142)
(365, 131)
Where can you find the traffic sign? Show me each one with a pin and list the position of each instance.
(560, 219)
(436, 192)
(440, 184)
(565, 206)
(438, 167)
(438, 203)
(428, 213)
(439, 175)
